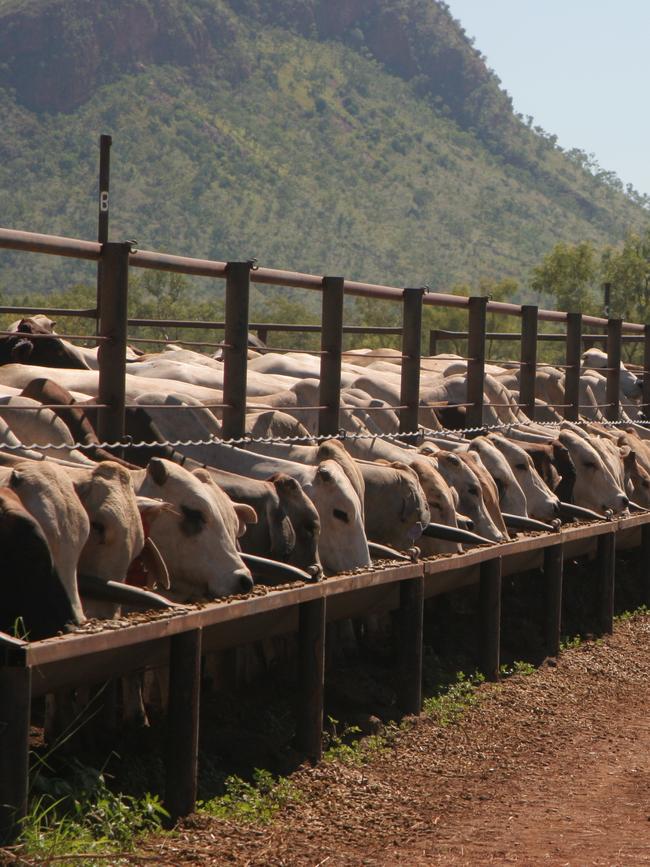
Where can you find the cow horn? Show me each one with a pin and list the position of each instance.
(518, 522)
(384, 552)
(121, 594)
(454, 534)
(274, 571)
(569, 511)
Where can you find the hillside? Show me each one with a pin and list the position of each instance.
(362, 137)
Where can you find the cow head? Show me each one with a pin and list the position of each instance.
(198, 537)
(595, 486)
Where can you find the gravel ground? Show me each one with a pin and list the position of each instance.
(549, 768)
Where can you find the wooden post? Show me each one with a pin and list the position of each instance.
(183, 723)
(614, 334)
(644, 564)
(528, 357)
(476, 363)
(433, 341)
(606, 565)
(330, 361)
(572, 372)
(112, 313)
(553, 568)
(235, 354)
(411, 625)
(15, 704)
(311, 678)
(490, 618)
(412, 352)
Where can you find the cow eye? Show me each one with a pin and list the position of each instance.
(473, 490)
(193, 520)
(98, 528)
(591, 465)
(521, 467)
(340, 515)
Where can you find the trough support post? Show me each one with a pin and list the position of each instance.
(235, 353)
(331, 344)
(411, 637)
(476, 363)
(645, 406)
(311, 678)
(412, 353)
(433, 341)
(528, 357)
(606, 560)
(644, 564)
(490, 618)
(111, 355)
(553, 569)
(572, 372)
(183, 723)
(613, 400)
(15, 705)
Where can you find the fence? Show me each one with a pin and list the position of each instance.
(30, 669)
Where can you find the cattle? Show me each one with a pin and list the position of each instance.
(596, 487)
(34, 603)
(204, 521)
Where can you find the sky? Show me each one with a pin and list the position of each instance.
(579, 67)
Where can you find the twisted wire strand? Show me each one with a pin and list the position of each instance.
(421, 432)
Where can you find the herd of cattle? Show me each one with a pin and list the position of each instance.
(84, 532)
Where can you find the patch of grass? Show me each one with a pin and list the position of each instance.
(520, 666)
(450, 704)
(255, 802)
(80, 814)
(346, 746)
(624, 616)
(568, 642)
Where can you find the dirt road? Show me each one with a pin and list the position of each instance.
(551, 768)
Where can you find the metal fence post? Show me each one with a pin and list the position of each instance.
(331, 344)
(645, 407)
(412, 352)
(105, 142)
(528, 357)
(490, 618)
(15, 705)
(112, 323)
(572, 372)
(614, 334)
(433, 341)
(553, 569)
(183, 723)
(476, 363)
(311, 677)
(411, 638)
(235, 353)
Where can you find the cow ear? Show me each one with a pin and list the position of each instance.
(158, 471)
(16, 479)
(246, 515)
(324, 474)
(150, 509)
(629, 458)
(21, 351)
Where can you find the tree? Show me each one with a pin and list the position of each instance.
(628, 270)
(569, 273)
